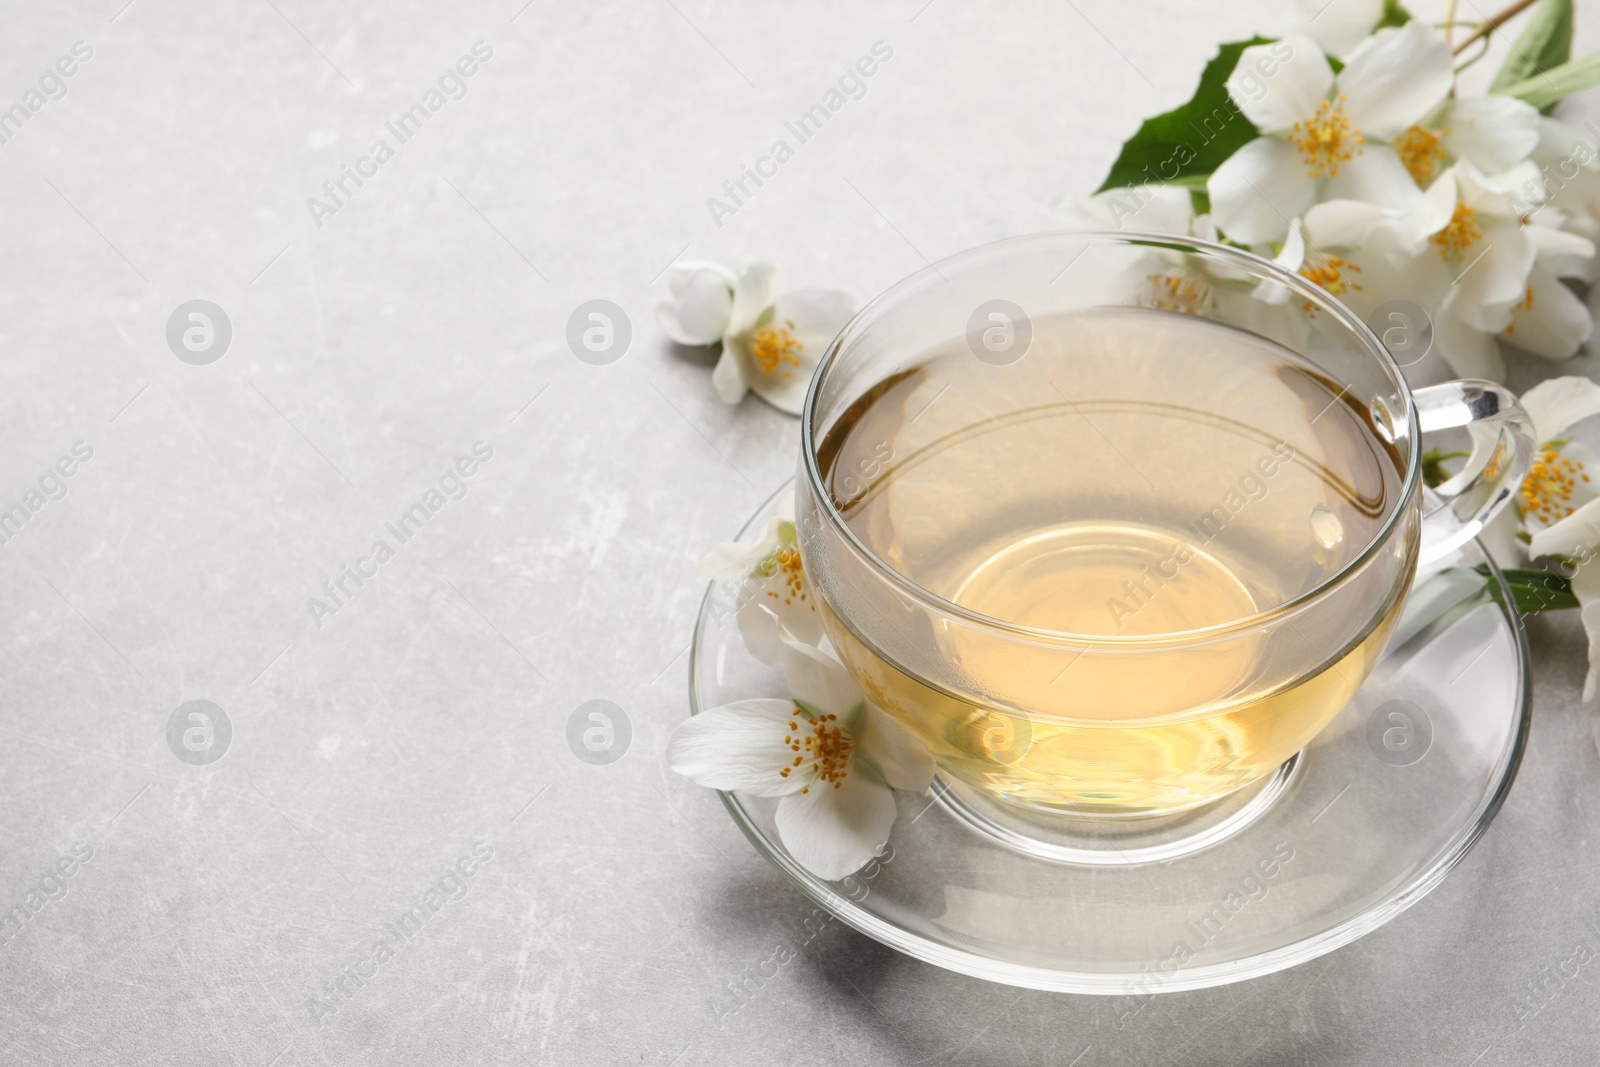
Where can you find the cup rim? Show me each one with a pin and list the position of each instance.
(1250, 261)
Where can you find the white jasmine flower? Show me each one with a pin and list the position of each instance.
(1153, 208)
(771, 343)
(1558, 484)
(1338, 26)
(1559, 504)
(1589, 599)
(1157, 278)
(831, 756)
(1324, 136)
(1457, 251)
(1493, 133)
(699, 302)
(774, 595)
(1550, 320)
(1360, 253)
(1558, 497)
(1163, 278)
(1353, 224)
(1559, 184)
(1327, 249)
(1486, 258)
(1173, 279)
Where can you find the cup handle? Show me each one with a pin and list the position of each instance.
(1502, 452)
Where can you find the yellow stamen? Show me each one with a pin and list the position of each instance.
(1459, 234)
(1420, 151)
(785, 562)
(1176, 292)
(1327, 139)
(1525, 304)
(774, 346)
(1546, 493)
(827, 746)
(1332, 273)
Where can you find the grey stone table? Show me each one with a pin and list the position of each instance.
(394, 763)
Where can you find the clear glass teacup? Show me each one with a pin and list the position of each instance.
(1115, 523)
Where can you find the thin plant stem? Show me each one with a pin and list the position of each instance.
(1483, 51)
(1494, 22)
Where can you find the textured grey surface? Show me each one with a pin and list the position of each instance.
(620, 907)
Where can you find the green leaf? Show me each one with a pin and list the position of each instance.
(1545, 44)
(1434, 472)
(1174, 245)
(1184, 145)
(1393, 15)
(1553, 86)
(1535, 590)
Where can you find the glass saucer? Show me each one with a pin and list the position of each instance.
(1352, 831)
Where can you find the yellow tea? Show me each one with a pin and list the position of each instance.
(1137, 475)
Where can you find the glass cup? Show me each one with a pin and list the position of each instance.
(1115, 523)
